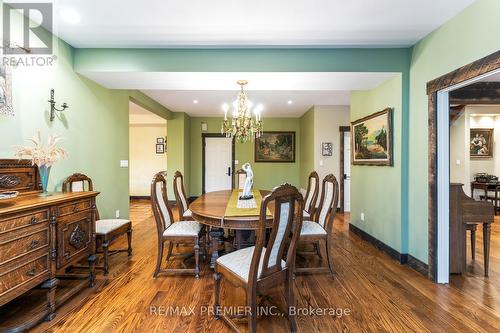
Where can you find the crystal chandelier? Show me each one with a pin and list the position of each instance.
(242, 125)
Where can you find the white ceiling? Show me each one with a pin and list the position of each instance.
(177, 91)
(257, 23)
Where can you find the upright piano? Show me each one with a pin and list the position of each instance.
(465, 210)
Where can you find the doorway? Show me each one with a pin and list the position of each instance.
(345, 168)
(217, 162)
(439, 158)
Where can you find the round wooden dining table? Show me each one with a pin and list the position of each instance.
(209, 209)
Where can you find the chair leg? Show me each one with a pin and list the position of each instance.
(290, 299)
(105, 249)
(129, 240)
(486, 245)
(158, 259)
(473, 242)
(197, 257)
(170, 248)
(252, 306)
(329, 258)
(217, 278)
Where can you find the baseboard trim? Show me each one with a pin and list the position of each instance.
(139, 197)
(418, 265)
(401, 258)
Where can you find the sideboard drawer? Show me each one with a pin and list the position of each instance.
(22, 275)
(22, 220)
(74, 207)
(74, 237)
(24, 244)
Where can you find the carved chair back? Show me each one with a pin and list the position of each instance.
(159, 203)
(78, 182)
(180, 193)
(285, 232)
(241, 177)
(312, 193)
(328, 202)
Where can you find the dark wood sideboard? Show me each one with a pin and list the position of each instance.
(41, 239)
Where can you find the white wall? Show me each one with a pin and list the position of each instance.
(327, 120)
(459, 151)
(144, 162)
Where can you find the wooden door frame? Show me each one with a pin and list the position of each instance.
(342, 130)
(468, 72)
(203, 143)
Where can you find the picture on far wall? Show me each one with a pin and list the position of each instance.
(5, 91)
(326, 149)
(372, 139)
(275, 147)
(481, 142)
(160, 140)
(160, 148)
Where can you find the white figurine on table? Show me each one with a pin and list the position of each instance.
(247, 189)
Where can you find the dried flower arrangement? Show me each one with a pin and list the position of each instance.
(43, 156)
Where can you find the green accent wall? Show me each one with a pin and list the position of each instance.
(178, 150)
(472, 34)
(377, 190)
(266, 175)
(306, 146)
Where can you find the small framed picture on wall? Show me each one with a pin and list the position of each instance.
(160, 148)
(160, 140)
(326, 149)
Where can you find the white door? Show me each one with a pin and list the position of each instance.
(347, 171)
(218, 162)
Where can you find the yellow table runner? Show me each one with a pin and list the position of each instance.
(233, 210)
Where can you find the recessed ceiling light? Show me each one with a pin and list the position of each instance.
(195, 101)
(70, 15)
(290, 102)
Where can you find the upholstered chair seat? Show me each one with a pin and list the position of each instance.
(103, 227)
(183, 228)
(239, 262)
(311, 228)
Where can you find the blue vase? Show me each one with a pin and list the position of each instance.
(44, 178)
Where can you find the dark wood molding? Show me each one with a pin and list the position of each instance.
(140, 197)
(418, 265)
(477, 93)
(480, 67)
(401, 258)
(203, 143)
(342, 130)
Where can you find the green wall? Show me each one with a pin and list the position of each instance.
(178, 150)
(94, 128)
(306, 146)
(471, 35)
(266, 175)
(377, 190)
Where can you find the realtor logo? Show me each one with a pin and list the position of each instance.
(34, 36)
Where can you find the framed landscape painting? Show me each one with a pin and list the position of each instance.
(372, 139)
(275, 147)
(481, 142)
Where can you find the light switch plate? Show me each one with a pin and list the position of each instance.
(123, 163)
(320, 162)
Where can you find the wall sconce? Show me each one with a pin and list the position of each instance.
(53, 108)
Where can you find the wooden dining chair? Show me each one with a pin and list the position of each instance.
(107, 230)
(259, 268)
(180, 232)
(241, 177)
(319, 231)
(181, 199)
(311, 195)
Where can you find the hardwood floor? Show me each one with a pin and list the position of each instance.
(380, 294)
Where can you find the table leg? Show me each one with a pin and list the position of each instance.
(216, 234)
(486, 244)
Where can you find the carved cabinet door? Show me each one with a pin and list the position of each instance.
(74, 233)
